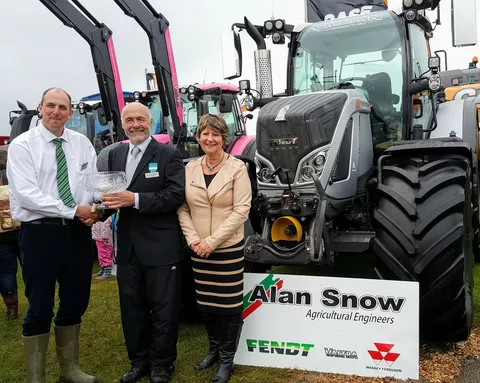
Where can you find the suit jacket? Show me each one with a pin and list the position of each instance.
(216, 213)
(153, 231)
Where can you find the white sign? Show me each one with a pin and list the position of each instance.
(337, 325)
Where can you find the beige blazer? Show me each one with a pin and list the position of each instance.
(216, 213)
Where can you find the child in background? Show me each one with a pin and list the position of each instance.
(102, 234)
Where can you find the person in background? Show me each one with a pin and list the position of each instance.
(218, 199)
(9, 252)
(8, 276)
(47, 169)
(102, 234)
(149, 246)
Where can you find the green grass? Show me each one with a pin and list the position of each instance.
(102, 348)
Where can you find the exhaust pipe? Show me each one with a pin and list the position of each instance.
(263, 61)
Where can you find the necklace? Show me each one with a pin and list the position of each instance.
(212, 168)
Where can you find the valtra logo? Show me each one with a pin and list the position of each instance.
(382, 353)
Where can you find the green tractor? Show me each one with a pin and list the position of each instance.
(363, 153)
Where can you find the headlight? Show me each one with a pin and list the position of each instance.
(319, 160)
(306, 173)
(312, 164)
(248, 101)
(265, 175)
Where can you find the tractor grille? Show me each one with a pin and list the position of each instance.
(290, 128)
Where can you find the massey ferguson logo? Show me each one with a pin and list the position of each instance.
(382, 353)
(283, 141)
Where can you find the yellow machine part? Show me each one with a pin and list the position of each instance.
(281, 224)
(451, 91)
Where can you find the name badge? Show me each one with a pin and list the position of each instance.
(153, 167)
(151, 175)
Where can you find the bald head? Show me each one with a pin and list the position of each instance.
(137, 122)
(135, 107)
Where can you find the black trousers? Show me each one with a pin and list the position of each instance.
(150, 305)
(51, 253)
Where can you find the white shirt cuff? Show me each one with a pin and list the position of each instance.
(69, 212)
(136, 202)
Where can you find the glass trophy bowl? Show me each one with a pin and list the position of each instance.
(106, 183)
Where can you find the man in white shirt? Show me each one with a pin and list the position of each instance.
(46, 170)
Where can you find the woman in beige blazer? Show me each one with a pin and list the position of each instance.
(218, 197)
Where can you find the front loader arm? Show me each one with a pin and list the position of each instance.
(155, 26)
(74, 15)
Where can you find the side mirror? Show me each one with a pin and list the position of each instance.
(225, 105)
(202, 108)
(464, 29)
(418, 105)
(102, 118)
(231, 55)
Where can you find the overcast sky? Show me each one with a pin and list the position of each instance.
(38, 51)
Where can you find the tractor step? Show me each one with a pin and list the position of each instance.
(353, 241)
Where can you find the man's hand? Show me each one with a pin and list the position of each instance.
(88, 214)
(117, 200)
(201, 248)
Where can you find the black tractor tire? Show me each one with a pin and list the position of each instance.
(423, 222)
(476, 218)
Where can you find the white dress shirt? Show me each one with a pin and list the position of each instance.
(142, 147)
(32, 173)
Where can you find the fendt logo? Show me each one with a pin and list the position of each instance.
(282, 348)
(382, 353)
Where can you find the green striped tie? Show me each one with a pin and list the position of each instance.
(62, 175)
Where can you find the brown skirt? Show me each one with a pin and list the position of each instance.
(219, 280)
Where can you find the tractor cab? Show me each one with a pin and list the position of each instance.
(367, 53)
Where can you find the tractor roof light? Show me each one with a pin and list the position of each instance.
(268, 26)
(191, 97)
(136, 95)
(411, 15)
(144, 94)
(280, 25)
(434, 63)
(191, 89)
(183, 90)
(420, 4)
(244, 85)
(278, 38)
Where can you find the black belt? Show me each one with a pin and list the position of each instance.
(49, 221)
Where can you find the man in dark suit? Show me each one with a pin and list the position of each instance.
(149, 246)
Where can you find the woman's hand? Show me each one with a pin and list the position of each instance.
(201, 248)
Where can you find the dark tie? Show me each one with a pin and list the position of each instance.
(132, 164)
(62, 175)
